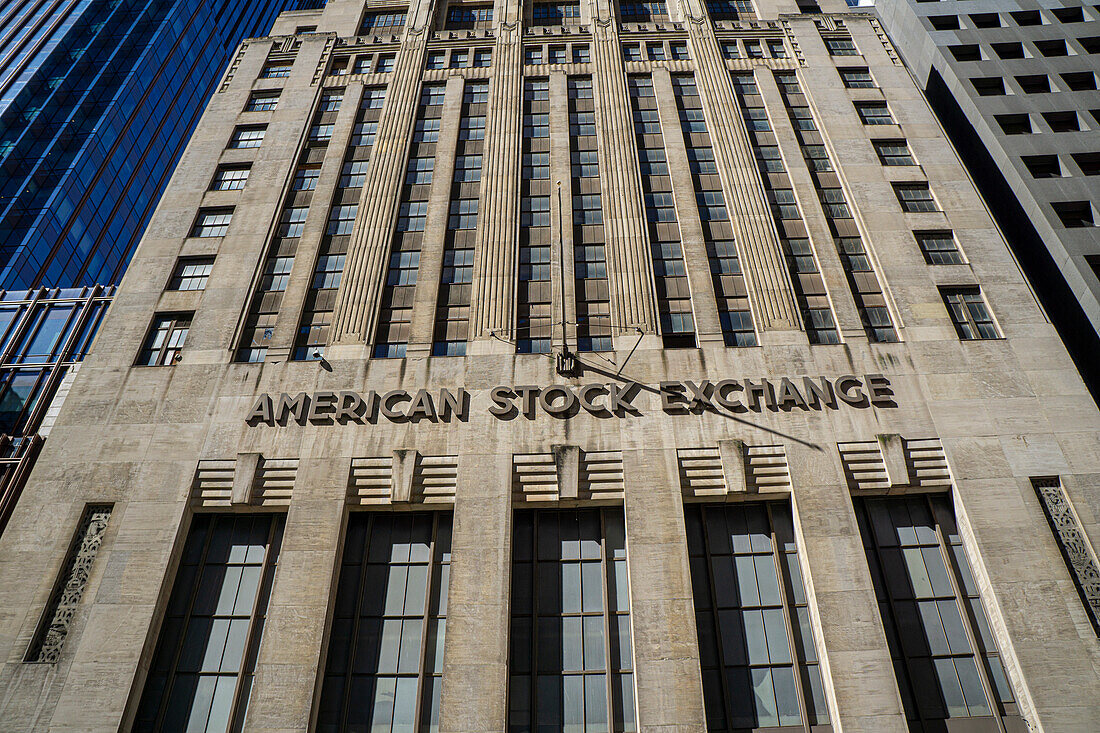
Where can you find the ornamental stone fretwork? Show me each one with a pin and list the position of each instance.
(70, 586)
(1074, 544)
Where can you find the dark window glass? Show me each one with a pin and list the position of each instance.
(384, 666)
(571, 659)
(760, 666)
(969, 313)
(945, 658)
(939, 248)
(165, 340)
(202, 669)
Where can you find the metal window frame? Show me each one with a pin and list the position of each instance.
(609, 670)
(798, 664)
(940, 513)
(263, 593)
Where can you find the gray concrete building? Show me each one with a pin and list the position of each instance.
(1015, 86)
(564, 366)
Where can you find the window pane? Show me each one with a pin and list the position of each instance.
(403, 557)
(571, 622)
(221, 616)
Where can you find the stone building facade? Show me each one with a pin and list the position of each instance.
(1014, 85)
(564, 367)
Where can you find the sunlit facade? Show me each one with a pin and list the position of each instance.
(564, 367)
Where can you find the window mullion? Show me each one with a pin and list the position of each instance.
(425, 625)
(798, 663)
(714, 616)
(532, 683)
(174, 667)
(605, 569)
(251, 636)
(980, 661)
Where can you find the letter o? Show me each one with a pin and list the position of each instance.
(546, 399)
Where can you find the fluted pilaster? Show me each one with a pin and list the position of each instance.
(767, 279)
(364, 269)
(493, 305)
(628, 260)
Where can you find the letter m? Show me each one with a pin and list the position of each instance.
(296, 407)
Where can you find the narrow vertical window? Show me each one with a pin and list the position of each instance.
(201, 675)
(760, 666)
(677, 318)
(534, 301)
(945, 657)
(809, 287)
(571, 659)
(593, 294)
(862, 280)
(384, 666)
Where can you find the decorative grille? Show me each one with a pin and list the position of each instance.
(70, 586)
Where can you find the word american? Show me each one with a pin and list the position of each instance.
(611, 399)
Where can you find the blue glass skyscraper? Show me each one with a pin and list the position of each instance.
(97, 100)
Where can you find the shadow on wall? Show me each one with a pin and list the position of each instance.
(1080, 338)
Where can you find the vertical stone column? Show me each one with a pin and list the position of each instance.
(561, 221)
(855, 661)
(435, 230)
(290, 651)
(668, 682)
(364, 268)
(629, 265)
(475, 653)
(692, 243)
(770, 290)
(320, 203)
(493, 301)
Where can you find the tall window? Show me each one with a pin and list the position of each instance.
(165, 340)
(202, 670)
(945, 658)
(760, 667)
(383, 670)
(809, 287)
(571, 660)
(969, 313)
(593, 295)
